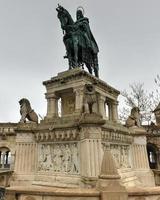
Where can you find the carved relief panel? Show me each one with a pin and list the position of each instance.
(68, 104)
(59, 157)
(121, 155)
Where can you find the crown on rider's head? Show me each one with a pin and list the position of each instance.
(80, 10)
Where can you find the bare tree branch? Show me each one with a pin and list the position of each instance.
(139, 97)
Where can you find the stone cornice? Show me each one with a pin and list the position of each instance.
(7, 129)
(26, 127)
(116, 127)
(116, 137)
(53, 191)
(79, 73)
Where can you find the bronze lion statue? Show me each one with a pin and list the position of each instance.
(134, 118)
(27, 112)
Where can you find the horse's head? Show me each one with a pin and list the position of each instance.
(64, 17)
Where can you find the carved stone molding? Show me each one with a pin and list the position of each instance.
(116, 137)
(25, 137)
(62, 135)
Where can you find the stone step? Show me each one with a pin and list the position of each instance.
(129, 178)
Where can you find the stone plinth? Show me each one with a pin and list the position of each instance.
(140, 158)
(51, 193)
(66, 149)
(68, 88)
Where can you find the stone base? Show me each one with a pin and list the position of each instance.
(111, 189)
(129, 178)
(50, 193)
(146, 178)
(92, 118)
(143, 193)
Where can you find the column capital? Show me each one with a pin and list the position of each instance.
(51, 96)
(115, 102)
(79, 89)
(102, 97)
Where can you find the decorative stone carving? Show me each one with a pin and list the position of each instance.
(45, 157)
(27, 112)
(75, 164)
(59, 157)
(68, 104)
(125, 157)
(61, 135)
(116, 154)
(121, 155)
(116, 137)
(90, 97)
(134, 118)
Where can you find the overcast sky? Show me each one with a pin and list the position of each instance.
(32, 49)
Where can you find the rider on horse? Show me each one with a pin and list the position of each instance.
(80, 44)
(82, 25)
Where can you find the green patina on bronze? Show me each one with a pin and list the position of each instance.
(81, 47)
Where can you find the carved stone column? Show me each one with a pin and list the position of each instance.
(79, 96)
(114, 111)
(102, 109)
(52, 105)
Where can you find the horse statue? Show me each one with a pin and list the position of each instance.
(27, 112)
(81, 47)
(134, 118)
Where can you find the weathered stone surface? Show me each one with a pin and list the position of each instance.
(66, 150)
(109, 180)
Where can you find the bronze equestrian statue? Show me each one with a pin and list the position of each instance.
(81, 47)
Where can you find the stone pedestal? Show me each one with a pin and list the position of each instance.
(66, 149)
(69, 86)
(140, 158)
(26, 154)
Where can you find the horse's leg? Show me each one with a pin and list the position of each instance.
(89, 68)
(96, 71)
(69, 56)
(96, 68)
